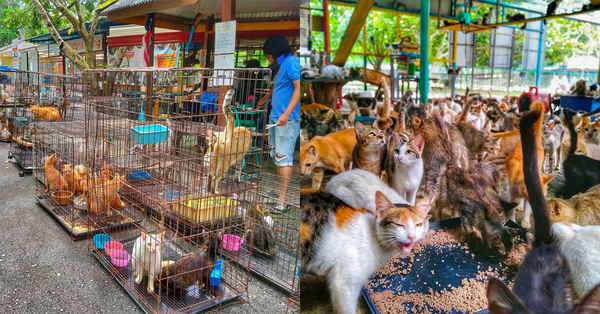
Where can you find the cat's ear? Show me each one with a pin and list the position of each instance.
(382, 203)
(416, 121)
(503, 301)
(424, 205)
(591, 302)
(323, 111)
(546, 178)
(419, 141)
(311, 151)
(551, 126)
(161, 236)
(507, 206)
(554, 207)
(359, 128)
(143, 235)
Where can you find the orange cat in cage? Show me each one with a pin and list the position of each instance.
(45, 113)
(54, 179)
(105, 194)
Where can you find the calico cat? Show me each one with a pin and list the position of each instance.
(478, 143)
(476, 203)
(357, 189)
(552, 137)
(147, 258)
(260, 231)
(543, 284)
(335, 72)
(404, 165)
(514, 169)
(369, 151)
(435, 159)
(349, 244)
(45, 113)
(591, 137)
(582, 209)
(581, 247)
(580, 172)
(55, 181)
(192, 268)
(331, 152)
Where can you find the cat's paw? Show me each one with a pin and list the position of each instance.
(525, 224)
(420, 194)
(138, 280)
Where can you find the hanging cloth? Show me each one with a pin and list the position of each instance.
(147, 39)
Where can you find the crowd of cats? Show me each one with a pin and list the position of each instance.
(453, 158)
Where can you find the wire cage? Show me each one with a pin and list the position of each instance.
(60, 176)
(293, 306)
(275, 253)
(187, 157)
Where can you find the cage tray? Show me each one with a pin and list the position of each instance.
(436, 268)
(76, 224)
(23, 156)
(168, 303)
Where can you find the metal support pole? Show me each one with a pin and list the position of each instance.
(326, 30)
(540, 63)
(424, 53)
(454, 43)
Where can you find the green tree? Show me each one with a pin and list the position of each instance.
(7, 33)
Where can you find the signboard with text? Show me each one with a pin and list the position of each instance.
(79, 46)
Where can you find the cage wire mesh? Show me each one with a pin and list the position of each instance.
(39, 97)
(181, 150)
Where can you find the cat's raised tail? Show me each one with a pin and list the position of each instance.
(569, 122)
(533, 182)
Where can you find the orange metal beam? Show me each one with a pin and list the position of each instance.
(359, 16)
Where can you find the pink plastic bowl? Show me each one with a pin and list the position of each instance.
(112, 246)
(119, 258)
(232, 242)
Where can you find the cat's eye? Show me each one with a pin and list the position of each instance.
(308, 165)
(397, 224)
(373, 134)
(396, 151)
(419, 224)
(409, 152)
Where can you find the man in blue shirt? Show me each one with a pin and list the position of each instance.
(285, 112)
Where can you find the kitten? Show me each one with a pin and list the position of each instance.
(591, 137)
(543, 284)
(552, 137)
(55, 181)
(477, 204)
(581, 247)
(331, 152)
(580, 172)
(447, 114)
(394, 48)
(334, 72)
(369, 151)
(514, 169)
(506, 120)
(582, 209)
(73, 178)
(434, 158)
(260, 231)
(349, 244)
(478, 143)
(404, 165)
(147, 258)
(192, 268)
(357, 189)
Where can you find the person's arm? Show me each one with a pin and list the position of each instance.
(283, 119)
(263, 100)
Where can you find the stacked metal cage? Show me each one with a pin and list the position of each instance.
(158, 146)
(41, 97)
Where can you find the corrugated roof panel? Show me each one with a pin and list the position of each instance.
(123, 4)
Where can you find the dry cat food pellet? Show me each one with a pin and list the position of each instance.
(470, 297)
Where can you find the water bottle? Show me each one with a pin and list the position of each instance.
(266, 81)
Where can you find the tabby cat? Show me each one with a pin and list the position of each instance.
(369, 151)
(349, 244)
(582, 209)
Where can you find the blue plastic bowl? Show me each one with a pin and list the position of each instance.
(136, 176)
(100, 239)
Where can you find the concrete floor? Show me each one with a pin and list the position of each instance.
(43, 271)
